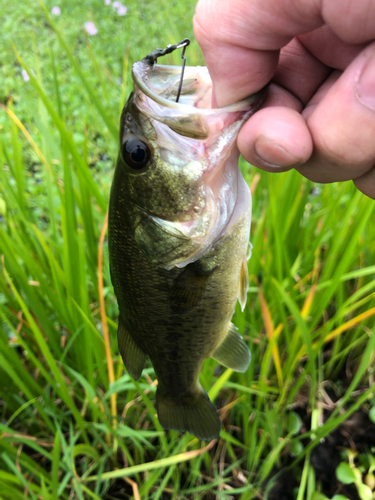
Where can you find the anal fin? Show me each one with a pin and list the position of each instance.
(233, 351)
(196, 415)
(133, 357)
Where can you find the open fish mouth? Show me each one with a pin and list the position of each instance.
(193, 116)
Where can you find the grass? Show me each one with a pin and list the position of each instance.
(73, 424)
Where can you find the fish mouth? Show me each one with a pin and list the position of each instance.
(160, 83)
(193, 116)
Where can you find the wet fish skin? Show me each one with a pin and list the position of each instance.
(176, 308)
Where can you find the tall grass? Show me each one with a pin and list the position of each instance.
(73, 423)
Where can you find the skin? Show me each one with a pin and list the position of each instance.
(319, 117)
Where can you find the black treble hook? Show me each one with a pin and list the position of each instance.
(152, 58)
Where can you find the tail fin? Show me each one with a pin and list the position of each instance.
(196, 415)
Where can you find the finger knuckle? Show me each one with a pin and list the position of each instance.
(343, 150)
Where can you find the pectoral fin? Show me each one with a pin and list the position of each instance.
(244, 284)
(133, 357)
(189, 287)
(233, 352)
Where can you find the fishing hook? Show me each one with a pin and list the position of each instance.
(153, 56)
(183, 44)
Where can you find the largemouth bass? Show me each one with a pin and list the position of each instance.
(179, 224)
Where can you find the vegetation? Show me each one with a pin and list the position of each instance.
(73, 424)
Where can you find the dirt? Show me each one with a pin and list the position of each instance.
(357, 434)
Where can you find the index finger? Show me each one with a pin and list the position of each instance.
(241, 39)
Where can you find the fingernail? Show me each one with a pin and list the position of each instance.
(366, 84)
(274, 155)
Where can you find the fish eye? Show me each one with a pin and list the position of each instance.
(136, 154)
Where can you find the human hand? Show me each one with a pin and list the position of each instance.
(319, 116)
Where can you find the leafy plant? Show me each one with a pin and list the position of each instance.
(362, 475)
(73, 424)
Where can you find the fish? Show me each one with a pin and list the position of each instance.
(178, 237)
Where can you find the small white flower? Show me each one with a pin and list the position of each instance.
(107, 2)
(25, 76)
(116, 5)
(91, 28)
(56, 10)
(121, 11)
